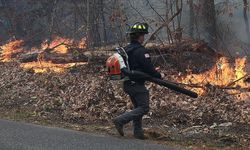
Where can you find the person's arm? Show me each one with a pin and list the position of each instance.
(144, 60)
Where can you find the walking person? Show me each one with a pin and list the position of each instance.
(139, 59)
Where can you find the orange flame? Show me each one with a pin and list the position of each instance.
(45, 66)
(82, 43)
(61, 45)
(12, 47)
(58, 44)
(222, 74)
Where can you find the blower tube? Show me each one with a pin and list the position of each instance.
(171, 85)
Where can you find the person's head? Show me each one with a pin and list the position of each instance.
(137, 32)
(138, 37)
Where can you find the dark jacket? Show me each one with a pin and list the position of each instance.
(140, 60)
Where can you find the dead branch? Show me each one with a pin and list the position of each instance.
(230, 84)
(163, 25)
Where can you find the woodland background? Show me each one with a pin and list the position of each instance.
(224, 24)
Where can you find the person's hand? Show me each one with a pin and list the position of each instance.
(162, 75)
(157, 68)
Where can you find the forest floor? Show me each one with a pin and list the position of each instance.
(84, 99)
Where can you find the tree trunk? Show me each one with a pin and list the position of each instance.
(103, 22)
(246, 9)
(209, 21)
(89, 34)
(191, 18)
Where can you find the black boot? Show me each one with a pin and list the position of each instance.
(119, 127)
(138, 131)
(139, 136)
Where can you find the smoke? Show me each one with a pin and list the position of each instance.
(231, 24)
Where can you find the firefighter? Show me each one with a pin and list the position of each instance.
(139, 60)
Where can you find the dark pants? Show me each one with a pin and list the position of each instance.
(139, 96)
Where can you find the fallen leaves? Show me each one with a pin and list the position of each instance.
(89, 96)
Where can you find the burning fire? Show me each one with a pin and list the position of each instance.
(61, 45)
(45, 66)
(12, 47)
(223, 74)
(58, 44)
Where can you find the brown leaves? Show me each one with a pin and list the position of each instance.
(88, 96)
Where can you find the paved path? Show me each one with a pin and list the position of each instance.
(21, 136)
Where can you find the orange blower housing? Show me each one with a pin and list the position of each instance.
(114, 67)
(116, 64)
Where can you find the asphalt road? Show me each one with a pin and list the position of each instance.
(21, 136)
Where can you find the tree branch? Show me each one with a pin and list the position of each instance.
(163, 25)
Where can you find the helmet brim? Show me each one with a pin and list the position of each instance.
(131, 32)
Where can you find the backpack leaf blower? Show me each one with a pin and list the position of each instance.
(118, 69)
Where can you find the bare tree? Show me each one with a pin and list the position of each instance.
(209, 20)
(245, 12)
(191, 18)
